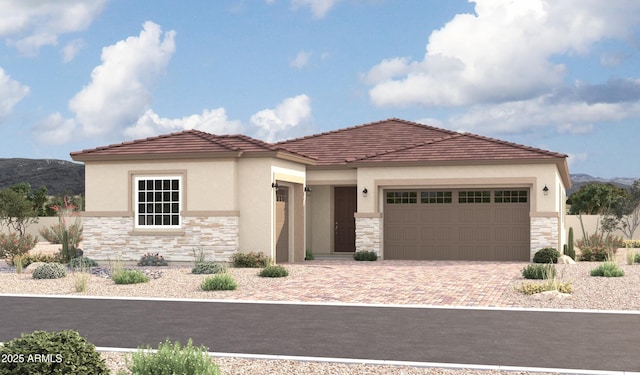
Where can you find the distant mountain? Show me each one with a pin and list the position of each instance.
(580, 179)
(59, 176)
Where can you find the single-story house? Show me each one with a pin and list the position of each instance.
(398, 188)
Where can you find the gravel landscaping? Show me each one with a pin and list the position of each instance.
(382, 282)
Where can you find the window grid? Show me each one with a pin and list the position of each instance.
(511, 196)
(158, 201)
(436, 197)
(474, 197)
(402, 197)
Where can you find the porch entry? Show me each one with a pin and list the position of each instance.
(282, 224)
(345, 205)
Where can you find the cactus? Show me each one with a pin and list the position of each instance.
(570, 250)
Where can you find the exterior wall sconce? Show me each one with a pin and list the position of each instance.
(545, 190)
(275, 185)
(364, 192)
(307, 189)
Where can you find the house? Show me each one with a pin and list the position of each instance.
(401, 189)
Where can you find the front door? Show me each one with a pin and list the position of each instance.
(282, 224)
(345, 202)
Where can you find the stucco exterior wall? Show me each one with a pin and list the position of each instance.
(319, 218)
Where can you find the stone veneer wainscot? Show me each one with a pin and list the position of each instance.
(544, 233)
(110, 237)
(369, 233)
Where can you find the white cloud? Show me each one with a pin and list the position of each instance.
(11, 92)
(577, 158)
(501, 53)
(301, 60)
(55, 130)
(29, 25)
(213, 121)
(71, 49)
(118, 92)
(284, 120)
(319, 8)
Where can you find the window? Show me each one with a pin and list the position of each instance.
(402, 197)
(158, 201)
(474, 197)
(435, 197)
(511, 196)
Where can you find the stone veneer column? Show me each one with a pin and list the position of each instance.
(544, 233)
(110, 237)
(369, 233)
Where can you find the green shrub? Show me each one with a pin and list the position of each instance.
(365, 256)
(636, 258)
(50, 271)
(82, 262)
(222, 281)
(546, 255)
(13, 244)
(250, 260)
(599, 248)
(153, 260)
(607, 269)
(172, 359)
(274, 271)
(65, 352)
(27, 259)
(129, 277)
(539, 271)
(207, 268)
(308, 255)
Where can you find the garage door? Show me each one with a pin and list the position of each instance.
(457, 224)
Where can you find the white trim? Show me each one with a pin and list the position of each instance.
(136, 179)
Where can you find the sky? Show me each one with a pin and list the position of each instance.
(558, 75)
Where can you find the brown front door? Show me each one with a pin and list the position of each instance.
(282, 224)
(345, 202)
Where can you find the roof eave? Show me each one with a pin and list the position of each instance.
(84, 157)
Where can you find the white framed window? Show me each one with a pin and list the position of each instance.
(158, 201)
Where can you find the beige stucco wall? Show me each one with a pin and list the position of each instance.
(320, 217)
(210, 184)
(591, 225)
(332, 177)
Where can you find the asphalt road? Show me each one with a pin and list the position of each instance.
(569, 340)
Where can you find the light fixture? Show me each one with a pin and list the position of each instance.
(545, 189)
(275, 185)
(307, 189)
(365, 191)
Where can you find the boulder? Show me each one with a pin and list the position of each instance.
(565, 259)
(551, 295)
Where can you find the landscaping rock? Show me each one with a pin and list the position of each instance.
(32, 267)
(551, 295)
(565, 259)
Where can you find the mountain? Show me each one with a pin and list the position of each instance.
(580, 179)
(59, 176)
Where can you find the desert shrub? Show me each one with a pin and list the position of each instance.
(308, 254)
(207, 268)
(632, 243)
(539, 271)
(365, 256)
(607, 269)
(65, 352)
(54, 234)
(12, 244)
(273, 271)
(598, 248)
(546, 255)
(636, 258)
(50, 271)
(534, 288)
(222, 281)
(129, 277)
(250, 260)
(172, 359)
(153, 260)
(27, 259)
(82, 262)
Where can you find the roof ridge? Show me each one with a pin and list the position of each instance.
(213, 138)
(517, 145)
(407, 147)
(341, 130)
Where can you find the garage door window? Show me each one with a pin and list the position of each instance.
(511, 196)
(435, 197)
(474, 197)
(402, 197)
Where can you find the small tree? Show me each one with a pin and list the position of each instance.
(626, 215)
(16, 214)
(598, 199)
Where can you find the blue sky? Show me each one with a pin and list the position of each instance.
(563, 76)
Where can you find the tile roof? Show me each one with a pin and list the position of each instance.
(396, 140)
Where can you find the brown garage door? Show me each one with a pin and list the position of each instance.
(457, 224)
